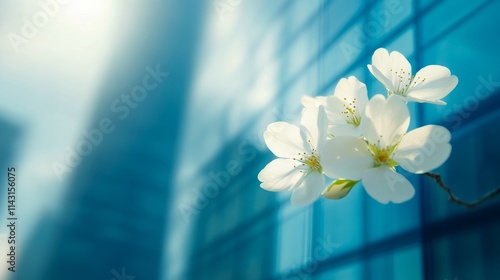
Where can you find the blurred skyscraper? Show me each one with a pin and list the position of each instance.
(113, 218)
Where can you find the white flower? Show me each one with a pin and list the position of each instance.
(344, 108)
(298, 167)
(308, 101)
(430, 84)
(385, 146)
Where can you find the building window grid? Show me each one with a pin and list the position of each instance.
(425, 234)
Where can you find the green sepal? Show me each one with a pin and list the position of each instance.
(339, 189)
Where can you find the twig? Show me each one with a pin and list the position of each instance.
(454, 199)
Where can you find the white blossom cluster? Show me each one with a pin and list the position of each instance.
(350, 138)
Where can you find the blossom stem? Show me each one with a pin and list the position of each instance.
(452, 198)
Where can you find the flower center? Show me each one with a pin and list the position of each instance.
(406, 81)
(383, 156)
(350, 112)
(311, 161)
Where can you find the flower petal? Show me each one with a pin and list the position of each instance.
(385, 185)
(388, 68)
(348, 102)
(380, 68)
(350, 90)
(385, 121)
(423, 149)
(308, 101)
(346, 157)
(313, 127)
(437, 84)
(345, 130)
(382, 78)
(284, 140)
(432, 73)
(309, 189)
(280, 175)
(409, 98)
(398, 64)
(381, 60)
(335, 109)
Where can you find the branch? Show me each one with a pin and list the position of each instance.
(454, 199)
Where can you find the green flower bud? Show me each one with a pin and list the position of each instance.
(339, 188)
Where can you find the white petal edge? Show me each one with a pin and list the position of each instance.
(380, 68)
(432, 73)
(346, 157)
(411, 98)
(309, 190)
(386, 82)
(313, 127)
(423, 149)
(280, 175)
(381, 60)
(434, 90)
(308, 101)
(351, 88)
(371, 125)
(385, 121)
(345, 130)
(385, 185)
(335, 109)
(398, 63)
(284, 139)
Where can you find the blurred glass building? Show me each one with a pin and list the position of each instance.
(167, 186)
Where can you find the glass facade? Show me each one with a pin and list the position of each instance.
(294, 48)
